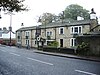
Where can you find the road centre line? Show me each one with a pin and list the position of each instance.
(85, 72)
(15, 54)
(40, 61)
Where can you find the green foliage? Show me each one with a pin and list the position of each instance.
(12, 5)
(46, 18)
(83, 48)
(74, 10)
(54, 44)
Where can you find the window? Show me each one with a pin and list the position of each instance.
(80, 29)
(49, 33)
(27, 35)
(76, 29)
(61, 30)
(27, 42)
(72, 42)
(19, 36)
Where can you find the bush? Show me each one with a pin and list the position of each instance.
(83, 49)
(54, 44)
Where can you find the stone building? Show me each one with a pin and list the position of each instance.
(64, 33)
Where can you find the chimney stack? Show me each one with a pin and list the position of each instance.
(93, 19)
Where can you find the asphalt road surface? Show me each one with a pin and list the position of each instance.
(15, 61)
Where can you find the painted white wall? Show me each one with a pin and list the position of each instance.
(7, 35)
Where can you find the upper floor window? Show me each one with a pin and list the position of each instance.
(19, 36)
(61, 30)
(76, 29)
(19, 33)
(27, 33)
(49, 33)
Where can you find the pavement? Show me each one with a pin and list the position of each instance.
(89, 58)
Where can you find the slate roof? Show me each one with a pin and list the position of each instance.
(58, 24)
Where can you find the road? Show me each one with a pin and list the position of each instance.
(15, 61)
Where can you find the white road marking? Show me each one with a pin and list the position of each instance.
(40, 61)
(85, 72)
(15, 54)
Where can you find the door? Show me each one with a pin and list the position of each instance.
(61, 42)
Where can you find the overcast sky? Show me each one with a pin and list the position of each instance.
(37, 7)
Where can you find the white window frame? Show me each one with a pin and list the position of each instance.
(18, 34)
(27, 33)
(49, 33)
(72, 42)
(27, 41)
(72, 30)
(60, 30)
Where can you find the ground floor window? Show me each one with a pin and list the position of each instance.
(27, 42)
(73, 42)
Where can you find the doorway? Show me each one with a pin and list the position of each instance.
(61, 42)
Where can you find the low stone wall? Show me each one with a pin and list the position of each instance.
(58, 50)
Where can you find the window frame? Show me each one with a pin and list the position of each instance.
(49, 33)
(73, 42)
(61, 30)
(18, 36)
(27, 33)
(76, 32)
(27, 42)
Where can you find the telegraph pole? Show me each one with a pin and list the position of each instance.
(10, 27)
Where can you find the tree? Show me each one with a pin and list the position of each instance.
(46, 18)
(12, 5)
(74, 10)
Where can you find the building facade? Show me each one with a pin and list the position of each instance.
(5, 37)
(68, 34)
(63, 33)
